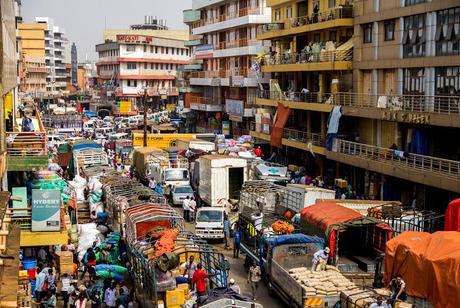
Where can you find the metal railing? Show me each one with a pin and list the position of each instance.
(291, 134)
(237, 43)
(223, 73)
(408, 103)
(400, 159)
(310, 57)
(333, 14)
(230, 15)
(26, 144)
(205, 100)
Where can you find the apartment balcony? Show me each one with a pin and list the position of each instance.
(208, 104)
(191, 16)
(312, 61)
(291, 137)
(36, 70)
(239, 77)
(427, 170)
(245, 16)
(334, 18)
(156, 91)
(237, 48)
(28, 151)
(294, 100)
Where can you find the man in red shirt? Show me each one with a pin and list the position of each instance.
(258, 152)
(198, 280)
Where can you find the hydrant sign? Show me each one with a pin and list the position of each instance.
(46, 206)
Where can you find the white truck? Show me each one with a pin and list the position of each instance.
(195, 144)
(220, 178)
(173, 173)
(209, 223)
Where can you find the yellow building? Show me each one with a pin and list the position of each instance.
(311, 58)
(33, 69)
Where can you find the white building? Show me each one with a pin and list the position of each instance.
(55, 46)
(225, 39)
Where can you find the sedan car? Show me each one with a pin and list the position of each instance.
(180, 192)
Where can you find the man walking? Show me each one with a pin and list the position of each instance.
(192, 209)
(254, 278)
(198, 280)
(236, 242)
(226, 231)
(186, 208)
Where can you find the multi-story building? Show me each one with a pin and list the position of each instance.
(74, 62)
(137, 60)
(224, 38)
(55, 42)
(33, 71)
(394, 84)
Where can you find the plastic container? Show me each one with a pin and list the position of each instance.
(175, 298)
(32, 273)
(29, 264)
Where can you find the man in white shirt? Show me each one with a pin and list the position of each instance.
(380, 303)
(152, 183)
(42, 254)
(186, 208)
(320, 255)
(192, 209)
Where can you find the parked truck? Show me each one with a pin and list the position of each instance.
(169, 171)
(195, 144)
(141, 157)
(220, 178)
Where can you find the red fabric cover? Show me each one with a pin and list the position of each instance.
(332, 239)
(324, 214)
(452, 218)
(282, 115)
(428, 263)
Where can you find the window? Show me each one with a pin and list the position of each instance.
(289, 12)
(131, 48)
(414, 81)
(413, 2)
(414, 36)
(151, 66)
(161, 66)
(145, 48)
(182, 52)
(145, 65)
(447, 35)
(135, 83)
(448, 81)
(166, 50)
(156, 49)
(129, 83)
(156, 66)
(333, 36)
(277, 14)
(367, 33)
(162, 50)
(132, 65)
(172, 51)
(389, 30)
(331, 3)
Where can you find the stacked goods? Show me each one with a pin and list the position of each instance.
(65, 262)
(282, 227)
(166, 242)
(359, 298)
(321, 283)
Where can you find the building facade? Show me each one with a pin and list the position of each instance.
(224, 44)
(388, 69)
(55, 43)
(74, 62)
(138, 60)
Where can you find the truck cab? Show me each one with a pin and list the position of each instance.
(209, 223)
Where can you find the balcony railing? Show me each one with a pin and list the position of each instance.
(311, 57)
(291, 134)
(230, 15)
(333, 14)
(156, 91)
(205, 100)
(223, 73)
(237, 43)
(26, 144)
(414, 162)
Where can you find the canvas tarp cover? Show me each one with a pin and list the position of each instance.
(274, 241)
(325, 214)
(428, 263)
(282, 115)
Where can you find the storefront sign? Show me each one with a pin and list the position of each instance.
(406, 117)
(134, 39)
(234, 107)
(215, 82)
(226, 128)
(237, 81)
(46, 210)
(125, 106)
(161, 141)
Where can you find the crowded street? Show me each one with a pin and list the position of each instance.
(230, 154)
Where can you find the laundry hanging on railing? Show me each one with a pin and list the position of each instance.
(333, 126)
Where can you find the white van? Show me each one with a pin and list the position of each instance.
(89, 126)
(133, 121)
(105, 131)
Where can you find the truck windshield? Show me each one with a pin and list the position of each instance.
(176, 175)
(183, 190)
(209, 216)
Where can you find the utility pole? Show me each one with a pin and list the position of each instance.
(144, 99)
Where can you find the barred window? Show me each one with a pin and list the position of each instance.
(413, 2)
(367, 33)
(447, 35)
(448, 80)
(389, 30)
(414, 36)
(414, 81)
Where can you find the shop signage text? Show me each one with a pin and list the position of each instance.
(406, 117)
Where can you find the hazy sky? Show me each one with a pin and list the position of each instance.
(84, 20)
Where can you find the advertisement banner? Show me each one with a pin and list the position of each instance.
(162, 141)
(125, 106)
(226, 128)
(234, 107)
(46, 210)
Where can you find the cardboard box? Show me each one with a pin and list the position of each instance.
(175, 298)
(341, 183)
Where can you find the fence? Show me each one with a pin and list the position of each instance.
(291, 134)
(229, 15)
(311, 57)
(26, 144)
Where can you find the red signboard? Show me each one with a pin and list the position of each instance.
(136, 39)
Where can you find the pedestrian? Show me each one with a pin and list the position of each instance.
(89, 261)
(72, 292)
(254, 278)
(322, 256)
(110, 296)
(42, 254)
(186, 208)
(95, 298)
(70, 246)
(192, 209)
(41, 284)
(258, 151)
(65, 286)
(123, 299)
(51, 300)
(226, 231)
(81, 301)
(51, 278)
(233, 286)
(152, 183)
(236, 241)
(398, 287)
(198, 280)
(189, 268)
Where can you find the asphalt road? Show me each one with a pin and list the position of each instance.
(239, 273)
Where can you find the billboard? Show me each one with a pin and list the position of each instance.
(162, 141)
(125, 106)
(46, 210)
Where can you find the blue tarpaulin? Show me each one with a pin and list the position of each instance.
(274, 241)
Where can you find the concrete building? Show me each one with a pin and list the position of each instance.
(55, 42)
(389, 68)
(32, 68)
(134, 60)
(74, 62)
(224, 38)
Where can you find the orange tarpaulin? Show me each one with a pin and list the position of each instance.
(324, 214)
(428, 263)
(282, 115)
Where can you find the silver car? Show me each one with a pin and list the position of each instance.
(180, 192)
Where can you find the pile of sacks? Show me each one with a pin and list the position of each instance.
(322, 283)
(79, 185)
(87, 235)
